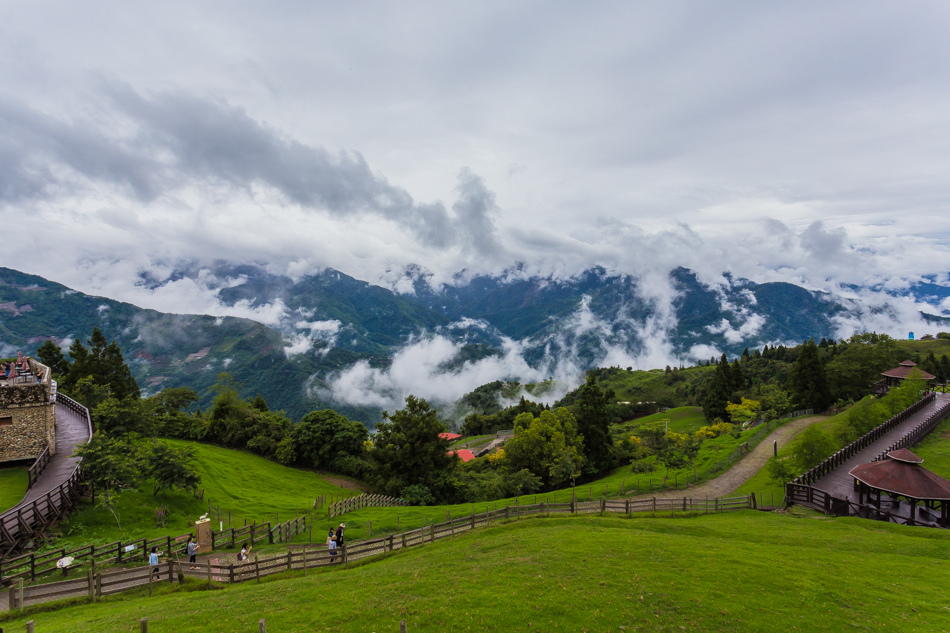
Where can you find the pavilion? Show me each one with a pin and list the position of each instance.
(894, 377)
(902, 476)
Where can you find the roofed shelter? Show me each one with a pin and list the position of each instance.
(894, 377)
(901, 475)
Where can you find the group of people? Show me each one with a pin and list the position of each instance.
(335, 540)
(21, 363)
(11, 369)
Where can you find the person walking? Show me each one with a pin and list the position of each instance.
(153, 562)
(192, 549)
(339, 535)
(331, 545)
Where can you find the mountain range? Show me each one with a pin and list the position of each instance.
(359, 348)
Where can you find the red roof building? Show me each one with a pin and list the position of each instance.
(449, 436)
(901, 475)
(465, 455)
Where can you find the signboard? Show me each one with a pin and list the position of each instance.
(128, 548)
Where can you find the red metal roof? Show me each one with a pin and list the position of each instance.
(449, 436)
(903, 476)
(908, 369)
(465, 455)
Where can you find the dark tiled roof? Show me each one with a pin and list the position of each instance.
(903, 478)
(904, 455)
(908, 369)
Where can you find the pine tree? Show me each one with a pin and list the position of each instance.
(807, 382)
(593, 422)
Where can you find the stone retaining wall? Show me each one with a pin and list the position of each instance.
(27, 419)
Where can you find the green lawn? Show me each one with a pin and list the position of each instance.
(249, 486)
(935, 450)
(13, 484)
(682, 420)
(742, 571)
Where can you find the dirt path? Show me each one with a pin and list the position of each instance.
(749, 465)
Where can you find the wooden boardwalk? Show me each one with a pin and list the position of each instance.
(72, 430)
(840, 484)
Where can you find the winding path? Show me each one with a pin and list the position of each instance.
(749, 465)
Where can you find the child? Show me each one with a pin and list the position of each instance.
(331, 543)
(153, 562)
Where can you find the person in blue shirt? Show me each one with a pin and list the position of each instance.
(153, 561)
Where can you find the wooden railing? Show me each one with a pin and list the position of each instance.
(36, 469)
(826, 466)
(362, 501)
(24, 521)
(800, 491)
(308, 557)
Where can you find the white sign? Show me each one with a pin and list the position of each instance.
(128, 548)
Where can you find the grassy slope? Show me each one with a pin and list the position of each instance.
(250, 486)
(682, 420)
(935, 449)
(13, 483)
(761, 483)
(744, 571)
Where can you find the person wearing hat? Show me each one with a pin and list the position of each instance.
(339, 535)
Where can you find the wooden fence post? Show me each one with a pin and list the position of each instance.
(150, 574)
(209, 572)
(290, 559)
(92, 585)
(402, 627)
(21, 594)
(261, 626)
(257, 569)
(29, 627)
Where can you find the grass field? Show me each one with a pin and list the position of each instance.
(248, 486)
(682, 420)
(743, 571)
(13, 484)
(935, 450)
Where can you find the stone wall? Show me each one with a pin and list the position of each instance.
(33, 427)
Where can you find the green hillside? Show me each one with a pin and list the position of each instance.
(248, 486)
(744, 571)
(13, 483)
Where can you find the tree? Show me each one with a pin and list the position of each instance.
(117, 418)
(593, 422)
(51, 356)
(807, 381)
(718, 392)
(110, 466)
(407, 450)
(170, 468)
(814, 446)
(548, 446)
(325, 439)
(103, 363)
(746, 411)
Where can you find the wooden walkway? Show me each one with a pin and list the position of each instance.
(840, 484)
(72, 430)
(56, 488)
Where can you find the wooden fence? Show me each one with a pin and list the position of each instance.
(34, 471)
(32, 566)
(362, 501)
(27, 520)
(279, 533)
(314, 556)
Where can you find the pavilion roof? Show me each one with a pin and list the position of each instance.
(908, 369)
(902, 474)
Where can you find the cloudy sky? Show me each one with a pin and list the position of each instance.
(803, 141)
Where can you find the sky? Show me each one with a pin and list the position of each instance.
(804, 141)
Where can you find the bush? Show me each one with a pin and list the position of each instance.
(417, 495)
